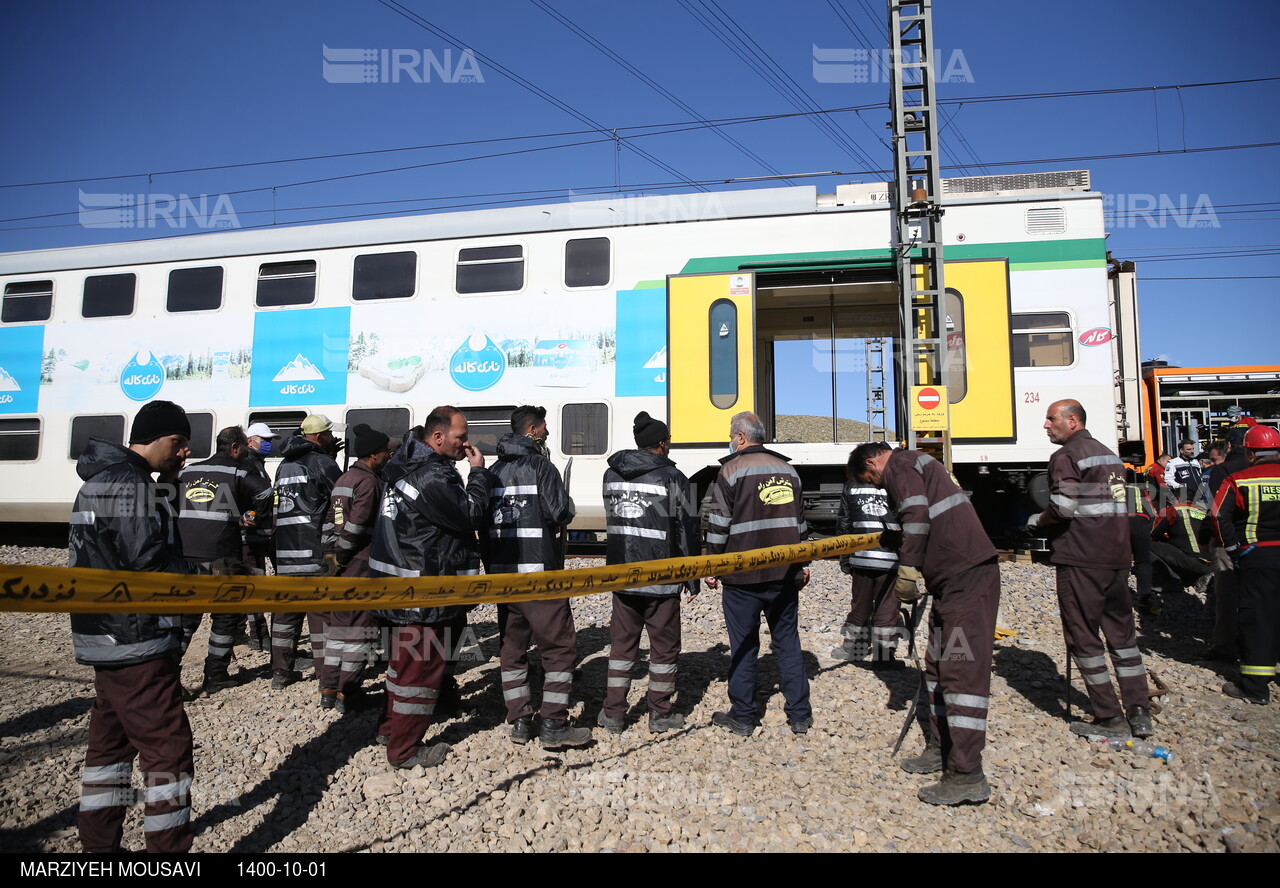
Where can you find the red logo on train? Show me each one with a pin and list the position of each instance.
(1096, 336)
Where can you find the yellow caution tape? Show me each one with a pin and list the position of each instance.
(84, 591)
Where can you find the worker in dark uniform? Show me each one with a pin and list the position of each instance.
(122, 520)
(257, 535)
(1090, 536)
(944, 544)
(354, 505)
(1248, 510)
(1141, 514)
(1225, 643)
(873, 624)
(529, 509)
(216, 495)
(1179, 558)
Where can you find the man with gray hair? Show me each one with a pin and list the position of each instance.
(757, 503)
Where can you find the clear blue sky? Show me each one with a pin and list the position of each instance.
(99, 94)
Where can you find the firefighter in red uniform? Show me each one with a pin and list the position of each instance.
(1086, 520)
(944, 544)
(1248, 510)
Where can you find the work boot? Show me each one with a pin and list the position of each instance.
(845, 652)
(801, 725)
(727, 721)
(611, 724)
(1140, 721)
(956, 788)
(328, 698)
(280, 679)
(660, 724)
(427, 756)
(522, 730)
(352, 701)
(1231, 689)
(218, 682)
(558, 734)
(1202, 584)
(927, 762)
(1116, 726)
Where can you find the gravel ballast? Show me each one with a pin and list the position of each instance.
(276, 773)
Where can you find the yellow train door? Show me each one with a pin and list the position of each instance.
(710, 355)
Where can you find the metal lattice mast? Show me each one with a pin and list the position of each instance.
(876, 412)
(917, 201)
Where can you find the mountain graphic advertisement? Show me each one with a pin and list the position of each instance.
(297, 370)
(7, 382)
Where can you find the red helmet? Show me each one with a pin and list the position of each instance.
(1262, 437)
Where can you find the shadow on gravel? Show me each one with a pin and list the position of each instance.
(297, 783)
(1035, 675)
(46, 716)
(550, 763)
(1183, 632)
(28, 838)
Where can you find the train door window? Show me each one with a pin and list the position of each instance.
(201, 443)
(957, 378)
(1043, 339)
(385, 276)
(584, 429)
(286, 283)
(391, 421)
(109, 426)
(109, 295)
(586, 262)
(27, 301)
(490, 269)
(195, 289)
(19, 440)
(283, 422)
(485, 425)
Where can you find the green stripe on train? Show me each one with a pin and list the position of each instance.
(1023, 256)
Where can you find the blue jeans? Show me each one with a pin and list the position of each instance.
(780, 604)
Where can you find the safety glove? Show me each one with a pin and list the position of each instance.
(906, 589)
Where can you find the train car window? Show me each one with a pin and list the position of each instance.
(19, 440)
(195, 289)
(1043, 339)
(286, 283)
(392, 421)
(283, 422)
(109, 295)
(201, 435)
(584, 429)
(586, 262)
(27, 301)
(485, 425)
(109, 426)
(957, 349)
(490, 269)
(385, 276)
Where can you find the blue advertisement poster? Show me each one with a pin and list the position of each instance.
(642, 343)
(300, 357)
(21, 357)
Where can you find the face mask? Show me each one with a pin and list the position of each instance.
(731, 449)
(264, 449)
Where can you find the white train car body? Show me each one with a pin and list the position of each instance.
(596, 310)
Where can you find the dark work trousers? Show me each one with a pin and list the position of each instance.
(222, 638)
(1140, 545)
(957, 666)
(869, 587)
(255, 553)
(286, 629)
(1090, 599)
(1174, 568)
(550, 624)
(1259, 573)
(348, 647)
(660, 615)
(138, 712)
(414, 676)
(780, 603)
(1226, 612)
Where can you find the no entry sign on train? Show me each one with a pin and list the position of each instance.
(929, 408)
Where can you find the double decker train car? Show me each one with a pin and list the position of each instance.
(692, 307)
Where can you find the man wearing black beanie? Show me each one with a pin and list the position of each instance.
(651, 515)
(123, 520)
